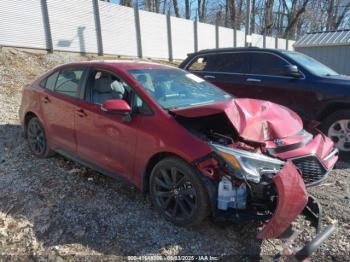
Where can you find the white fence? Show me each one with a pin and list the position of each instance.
(92, 26)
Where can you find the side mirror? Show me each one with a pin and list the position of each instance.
(116, 106)
(292, 70)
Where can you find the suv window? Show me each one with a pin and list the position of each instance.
(232, 63)
(68, 82)
(223, 63)
(267, 64)
(203, 63)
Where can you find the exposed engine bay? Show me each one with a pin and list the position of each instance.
(245, 190)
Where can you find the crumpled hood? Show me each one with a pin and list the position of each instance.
(255, 120)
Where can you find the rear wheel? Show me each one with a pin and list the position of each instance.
(337, 127)
(178, 193)
(37, 139)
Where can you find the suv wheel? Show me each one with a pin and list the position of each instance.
(37, 139)
(337, 127)
(178, 193)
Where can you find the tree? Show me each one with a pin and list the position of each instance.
(126, 2)
(293, 15)
(187, 9)
(252, 17)
(336, 13)
(268, 18)
(234, 10)
(202, 10)
(176, 8)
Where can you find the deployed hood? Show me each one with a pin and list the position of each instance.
(254, 120)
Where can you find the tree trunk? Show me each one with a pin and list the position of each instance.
(268, 17)
(252, 17)
(330, 15)
(176, 8)
(187, 9)
(293, 18)
(231, 8)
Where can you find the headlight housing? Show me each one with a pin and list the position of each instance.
(250, 165)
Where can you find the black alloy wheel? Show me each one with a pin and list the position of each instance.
(37, 139)
(178, 193)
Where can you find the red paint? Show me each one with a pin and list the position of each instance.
(292, 198)
(249, 116)
(116, 106)
(321, 146)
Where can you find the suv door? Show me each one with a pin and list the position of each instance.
(59, 97)
(267, 81)
(225, 70)
(104, 139)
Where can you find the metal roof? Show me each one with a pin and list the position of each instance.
(330, 38)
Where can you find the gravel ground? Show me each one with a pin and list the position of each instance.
(55, 209)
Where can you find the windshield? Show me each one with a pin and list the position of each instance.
(174, 88)
(312, 65)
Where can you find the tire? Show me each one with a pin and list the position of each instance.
(178, 193)
(337, 127)
(37, 139)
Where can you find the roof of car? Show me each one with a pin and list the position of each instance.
(230, 49)
(121, 64)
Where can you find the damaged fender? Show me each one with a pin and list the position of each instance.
(292, 199)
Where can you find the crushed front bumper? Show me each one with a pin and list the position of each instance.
(292, 201)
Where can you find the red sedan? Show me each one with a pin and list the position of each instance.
(194, 148)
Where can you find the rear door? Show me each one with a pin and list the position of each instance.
(225, 70)
(58, 102)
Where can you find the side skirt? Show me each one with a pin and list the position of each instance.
(95, 167)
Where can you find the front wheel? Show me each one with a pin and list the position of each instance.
(337, 127)
(178, 193)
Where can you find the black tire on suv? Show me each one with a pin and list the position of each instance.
(337, 127)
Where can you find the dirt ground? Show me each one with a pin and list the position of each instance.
(54, 209)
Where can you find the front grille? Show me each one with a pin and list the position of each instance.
(312, 170)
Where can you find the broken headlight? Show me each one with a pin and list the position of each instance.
(251, 165)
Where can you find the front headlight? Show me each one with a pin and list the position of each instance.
(251, 165)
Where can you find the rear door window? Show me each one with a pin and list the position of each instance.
(50, 82)
(267, 64)
(222, 63)
(232, 63)
(68, 82)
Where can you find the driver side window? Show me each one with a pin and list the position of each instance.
(105, 86)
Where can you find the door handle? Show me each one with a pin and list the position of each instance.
(46, 99)
(253, 80)
(81, 112)
(209, 77)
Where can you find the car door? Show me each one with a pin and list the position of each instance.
(104, 139)
(225, 70)
(62, 92)
(268, 81)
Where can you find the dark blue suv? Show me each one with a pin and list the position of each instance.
(292, 79)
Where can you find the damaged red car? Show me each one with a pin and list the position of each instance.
(195, 149)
